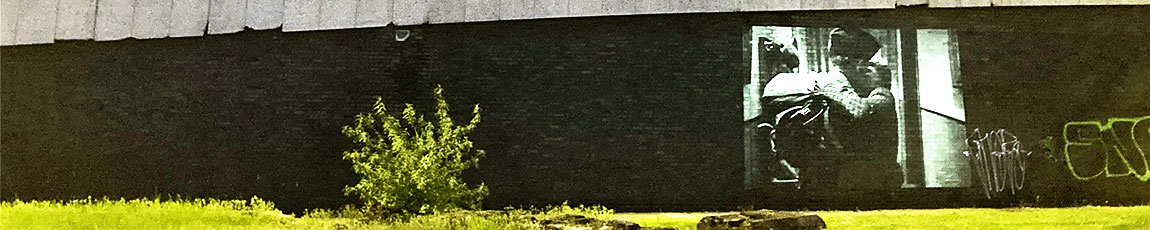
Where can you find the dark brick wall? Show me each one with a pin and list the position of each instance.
(1088, 72)
(636, 113)
(614, 111)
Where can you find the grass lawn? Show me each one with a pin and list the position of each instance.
(257, 214)
(1137, 217)
(143, 214)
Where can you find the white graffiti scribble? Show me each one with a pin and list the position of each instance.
(999, 161)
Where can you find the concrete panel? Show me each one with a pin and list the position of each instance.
(226, 16)
(910, 2)
(960, 3)
(651, 6)
(980, 3)
(620, 7)
(75, 19)
(264, 14)
(611, 7)
(301, 15)
(447, 11)
(373, 13)
(516, 9)
(754, 5)
(850, 4)
(1006, 2)
(1132, 2)
(36, 22)
(1050, 2)
(819, 4)
(411, 12)
(337, 14)
(587, 7)
(681, 6)
(189, 18)
(553, 8)
(889, 4)
(729, 5)
(784, 5)
(113, 19)
(1047, 2)
(1114, 2)
(945, 3)
(9, 17)
(151, 19)
(482, 10)
(714, 6)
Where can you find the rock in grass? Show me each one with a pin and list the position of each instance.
(762, 220)
(571, 222)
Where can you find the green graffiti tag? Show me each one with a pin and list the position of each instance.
(1115, 149)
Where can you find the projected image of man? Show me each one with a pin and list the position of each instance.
(822, 124)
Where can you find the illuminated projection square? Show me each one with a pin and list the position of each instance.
(853, 108)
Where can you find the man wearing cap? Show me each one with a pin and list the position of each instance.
(850, 52)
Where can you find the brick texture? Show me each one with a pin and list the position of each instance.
(636, 112)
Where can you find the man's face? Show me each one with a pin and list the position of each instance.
(857, 71)
(879, 76)
(851, 67)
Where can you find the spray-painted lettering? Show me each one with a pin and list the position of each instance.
(1115, 149)
(999, 161)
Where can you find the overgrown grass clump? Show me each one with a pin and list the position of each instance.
(255, 213)
(1089, 217)
(154, 213)
(258, 214)
(508, 219)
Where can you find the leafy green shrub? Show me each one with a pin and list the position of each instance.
(412, 168)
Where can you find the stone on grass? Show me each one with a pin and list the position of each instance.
(571, 222)
(762, 220)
